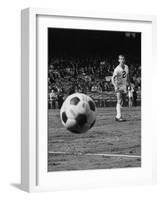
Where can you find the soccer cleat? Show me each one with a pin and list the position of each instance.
(120, 119)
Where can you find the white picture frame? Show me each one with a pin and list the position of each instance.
(34, 176)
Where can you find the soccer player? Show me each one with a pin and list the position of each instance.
(120, 80)
(130, 95)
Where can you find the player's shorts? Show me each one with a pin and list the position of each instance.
(121, 89)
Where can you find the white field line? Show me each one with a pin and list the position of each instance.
(98, 154)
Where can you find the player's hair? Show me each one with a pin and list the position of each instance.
(121, 55)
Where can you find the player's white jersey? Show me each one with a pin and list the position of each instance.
(120, 77)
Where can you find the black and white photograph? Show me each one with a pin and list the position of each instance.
(94, 99)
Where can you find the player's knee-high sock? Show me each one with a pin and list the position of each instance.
(118, 110)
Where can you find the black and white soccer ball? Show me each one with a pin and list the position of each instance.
(78, 113)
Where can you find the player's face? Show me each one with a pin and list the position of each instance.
(121, 60)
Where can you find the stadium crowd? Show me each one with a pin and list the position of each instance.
(86, 75)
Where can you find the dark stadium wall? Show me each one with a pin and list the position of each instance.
(93, 43)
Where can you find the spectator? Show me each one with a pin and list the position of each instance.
(135, 97)
(67, 75)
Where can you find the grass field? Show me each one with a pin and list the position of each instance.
(108, 144)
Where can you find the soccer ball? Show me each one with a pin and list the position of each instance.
(78, 113)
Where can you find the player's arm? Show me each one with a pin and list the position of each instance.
(114, 79)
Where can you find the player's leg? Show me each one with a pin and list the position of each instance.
(119, 107)
(130, 102)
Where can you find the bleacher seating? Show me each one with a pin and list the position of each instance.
(105, 99)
